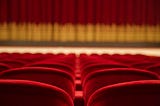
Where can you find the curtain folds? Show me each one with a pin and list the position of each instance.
(80, 20)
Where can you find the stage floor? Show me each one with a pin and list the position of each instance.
(78, 50)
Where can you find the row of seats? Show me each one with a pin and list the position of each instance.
(28, 79)
(38, 79)
(116, 80)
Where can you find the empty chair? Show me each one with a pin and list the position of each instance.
(51, 76)
(32, 57)
(13, 62)
(68, 59)
(98, 66)
(101, 78)
(31, 93)
(154, 68)
(53, 65)
(4, 67)
(134, 93)
(93, 59)
(143, 64)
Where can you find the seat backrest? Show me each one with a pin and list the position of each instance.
(154, 68)
(57, 65)
(134, 93)
(143, 64)
(51, 76)
(4, 67)
(13, 62)
(106, 77)
(100, 66)
(31, 93)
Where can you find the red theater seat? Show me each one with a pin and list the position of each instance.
(154, 68)
(135, 93)
(78, 77)
(51, 76)
(143, 65)
(31, 93)
(13, 62)
(101, 78)
(99, 66)
(50, 64)
(4, 67)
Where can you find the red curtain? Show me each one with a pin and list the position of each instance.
(81, 11)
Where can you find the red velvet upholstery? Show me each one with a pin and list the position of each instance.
(50, 64)
(154, 68)
(13, 62)
(28, 78)
(135, 93)
(4, 67)
(143, 65)
(101, 78)
(98, 66)
(31, 93)
(51, 76)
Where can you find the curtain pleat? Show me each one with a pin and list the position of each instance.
(80, 20)
(3, 11)
(80, 11)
